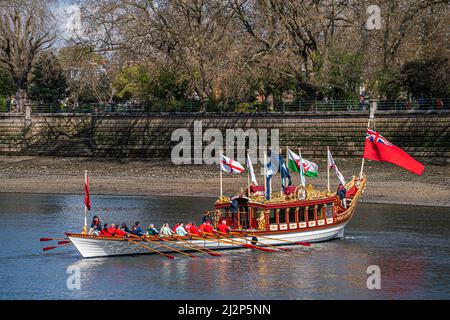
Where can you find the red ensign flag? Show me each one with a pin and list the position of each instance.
(87, 199)
(377, 148)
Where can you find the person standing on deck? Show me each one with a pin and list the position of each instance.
(206, 217)
(341, 193)
(96, 226)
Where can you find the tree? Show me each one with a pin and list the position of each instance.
(48, 82)
(23, 35)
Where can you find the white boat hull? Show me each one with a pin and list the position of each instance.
(90, 247)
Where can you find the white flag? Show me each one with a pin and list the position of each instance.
(229, 165)
(333, 165)
(250, 168)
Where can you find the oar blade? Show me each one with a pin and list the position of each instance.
(214, 254)
(64, 242)
(49, 248)
(170, 257)
(285, 249)
(307, 244)
(45, 239)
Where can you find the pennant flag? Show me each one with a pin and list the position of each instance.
(332, 165)
(284, 173)
(87, 199)
(294, 161)
(378, 148)
(250, 169)
(230, 166)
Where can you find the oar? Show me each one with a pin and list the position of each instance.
(250, 246)
(197, 247)
(54, 247)
(50, 239)
(151, 249)
(263, 243)
(168, 247)
(64, 242)
(307, 244)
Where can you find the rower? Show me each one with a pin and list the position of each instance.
(137, 230)
(105, 231)
(208, 228)
(222, 227)
(118, 232)
(180, 230)
(193, 229)
(151, 230)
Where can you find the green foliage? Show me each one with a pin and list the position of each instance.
(167, 85)
(426, 78)
(344, 75)
(249, 106)
(7, 87)
(130, 83)
(48, 83)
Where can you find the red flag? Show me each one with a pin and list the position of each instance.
(377, 148)
(87, 199)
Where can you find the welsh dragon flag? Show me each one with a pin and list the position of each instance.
(309, 168)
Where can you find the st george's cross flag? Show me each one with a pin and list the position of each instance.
(229, 165)
(378, 148)
(87, 199)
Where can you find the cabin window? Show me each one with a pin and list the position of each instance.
(292, 212)
(272, 217)
(301, 214)
(282, 216)
(320, 214)
(311, 216)
(329, 210)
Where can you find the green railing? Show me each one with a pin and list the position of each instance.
(300, 106)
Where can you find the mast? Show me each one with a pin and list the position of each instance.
(302, 174)
(373, 107)
(328, 169)
(248, 176)
(279, 168)
(265, 174)
(85, 206)
(220, 172)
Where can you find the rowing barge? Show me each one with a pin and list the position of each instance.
(303, 214)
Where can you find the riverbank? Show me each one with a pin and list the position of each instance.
(386, 183)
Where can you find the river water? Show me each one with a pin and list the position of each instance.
(409, 244)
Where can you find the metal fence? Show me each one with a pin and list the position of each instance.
(301, 106)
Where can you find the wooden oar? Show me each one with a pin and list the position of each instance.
(168, 247)
(263, 243)
(64, 242)
(250, 246)
(307, 244)
(50, 239)
(54, 247)
(151, 249)
(198, 248)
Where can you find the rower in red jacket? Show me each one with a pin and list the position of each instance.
(208, 228)
(222, 227)
(194, 229)
(118, 232)
(105, 231)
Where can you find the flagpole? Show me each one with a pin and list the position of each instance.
(265, 174)
(248, 177)
(302, 173)
(362, 162)
(220, 170)
(328, 169)
(279, 168)
(85, 207)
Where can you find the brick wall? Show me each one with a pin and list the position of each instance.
(423, 135)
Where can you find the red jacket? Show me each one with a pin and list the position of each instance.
(223, 228)
(105, 233)
(208, 228)
(119, 233)
(202, 227)
(194, 230)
